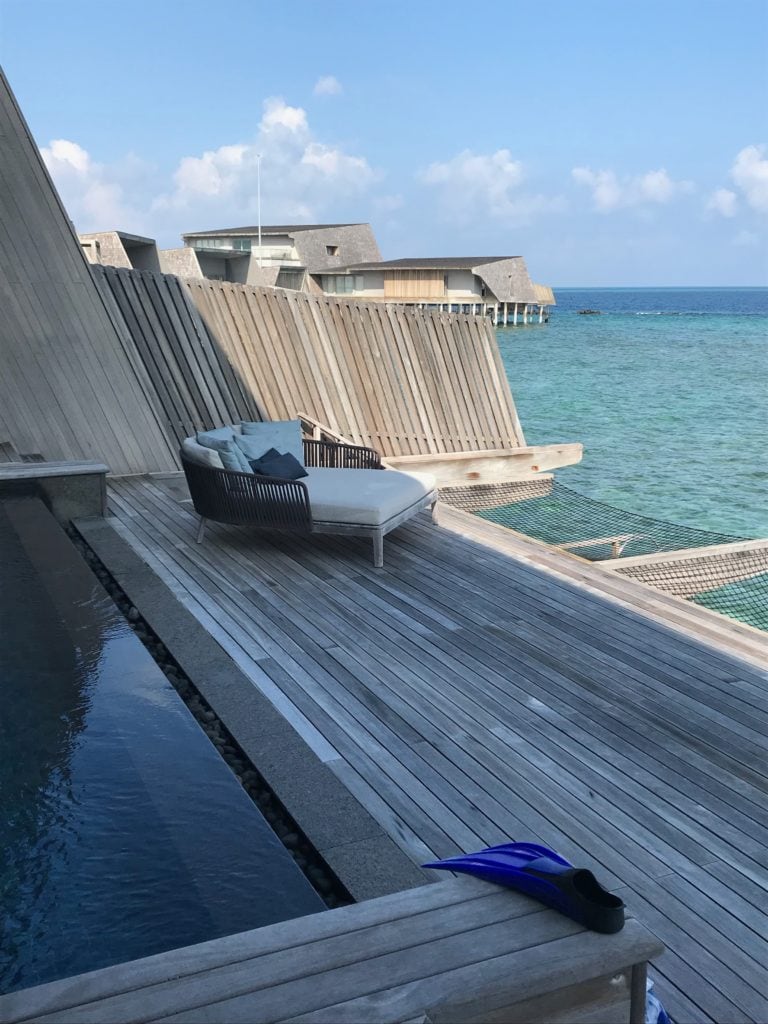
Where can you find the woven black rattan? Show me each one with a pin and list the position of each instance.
(225, 496)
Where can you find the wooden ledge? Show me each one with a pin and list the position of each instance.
(457, 950)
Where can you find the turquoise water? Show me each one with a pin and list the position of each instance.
(667, 391)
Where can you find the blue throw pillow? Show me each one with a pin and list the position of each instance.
(219, 434)
(287, 467)
(285, 435)
(273, 453)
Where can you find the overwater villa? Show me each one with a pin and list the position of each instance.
(495, 286)
(338, 259)
(277, 632)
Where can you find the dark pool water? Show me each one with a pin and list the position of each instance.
(122, 832)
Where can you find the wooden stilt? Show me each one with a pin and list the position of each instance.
(514, 316)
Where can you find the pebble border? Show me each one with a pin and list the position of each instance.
(330, 889)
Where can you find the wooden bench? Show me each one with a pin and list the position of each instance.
(456, 951)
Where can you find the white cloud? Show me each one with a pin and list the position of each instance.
(277, 114)
(750, 173)
(93, 193)
(303, 178)
(300, 176)
(724, 202)
(609, 192)
(335, 164)
(472, 184)
(327, 85)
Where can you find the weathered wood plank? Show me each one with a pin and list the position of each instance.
(618, 740)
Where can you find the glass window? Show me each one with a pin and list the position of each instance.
(342, 284)
(332, 250)
(242, 244)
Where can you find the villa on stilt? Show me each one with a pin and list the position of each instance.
(495, 286)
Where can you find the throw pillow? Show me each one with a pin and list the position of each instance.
(219, 434)
(284, 466)
(285, 435)
(231, 456)
(273, 453)
(253, 447)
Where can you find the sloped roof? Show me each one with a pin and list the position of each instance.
(269, 229)
(430, 263)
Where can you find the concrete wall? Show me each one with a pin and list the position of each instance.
(356, 245)
(113, 253)
(261, 276)
(182, 262)
(143, 257)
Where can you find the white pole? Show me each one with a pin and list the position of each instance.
(258, 200)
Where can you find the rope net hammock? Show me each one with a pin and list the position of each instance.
(732, 583)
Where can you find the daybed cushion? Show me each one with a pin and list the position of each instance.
(364, 497)
(285, 435)
(195, 452)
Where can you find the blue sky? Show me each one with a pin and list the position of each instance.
(609, 143)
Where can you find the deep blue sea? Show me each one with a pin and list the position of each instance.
(667, 389)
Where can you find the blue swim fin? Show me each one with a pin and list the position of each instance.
(543, 874)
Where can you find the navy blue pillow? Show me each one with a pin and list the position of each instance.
(287, 467)
(272, 453)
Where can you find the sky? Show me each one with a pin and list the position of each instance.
(609, 143)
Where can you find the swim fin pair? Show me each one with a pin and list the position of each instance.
(543, 874)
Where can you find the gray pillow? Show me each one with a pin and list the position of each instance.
(199, 454)
(231, 456)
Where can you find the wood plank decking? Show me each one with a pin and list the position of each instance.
(482, 688)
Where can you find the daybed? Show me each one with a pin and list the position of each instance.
(346, 489)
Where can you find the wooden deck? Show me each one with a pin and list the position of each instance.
(481, 688)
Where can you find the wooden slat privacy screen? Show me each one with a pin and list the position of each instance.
(414, 284)
(403, 381)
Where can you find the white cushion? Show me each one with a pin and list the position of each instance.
(284, 435)
(202, 456)
(364, 497)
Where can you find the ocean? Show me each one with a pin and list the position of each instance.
(667, 389)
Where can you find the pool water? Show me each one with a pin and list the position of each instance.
(122, 832)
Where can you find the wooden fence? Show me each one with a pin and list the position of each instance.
(71, 385)
(402, 381)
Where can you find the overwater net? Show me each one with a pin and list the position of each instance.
(734, 583)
